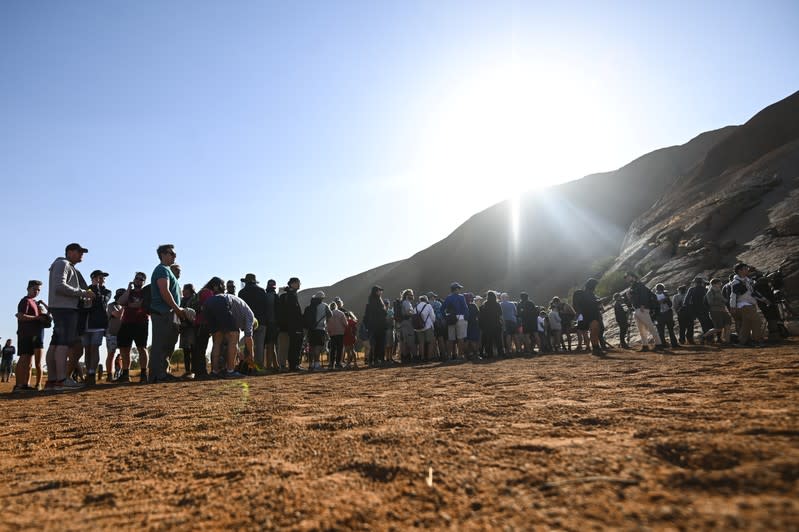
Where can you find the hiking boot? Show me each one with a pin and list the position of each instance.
(91, 379)
(597, 351)
(143, 377)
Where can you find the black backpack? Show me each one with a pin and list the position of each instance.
(578, 301)
(652, 300)
(309, 318)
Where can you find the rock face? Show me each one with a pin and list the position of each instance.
(695, 209)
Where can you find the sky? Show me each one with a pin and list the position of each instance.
(322, 139)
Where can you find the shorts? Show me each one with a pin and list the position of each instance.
(510, 327)
(440, 330)
(457, 331)
(317, 338)
(406, 333)
(6, 363)
(133, 332)
(426, 336)
(219, 316)
(93, 338)
(720, 319)
(271, 333)
(65, 326)
(111, 343)
(28, 344)
(583, 325)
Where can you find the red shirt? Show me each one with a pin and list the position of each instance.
(135, 315)
(204, 295)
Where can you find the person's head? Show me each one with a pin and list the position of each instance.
(590, 284)
(682, 289)
(294, 283)
(524, 296)
(741, 269)
(631, 277)
(504, 296)
(175, 267)
(376, 292)
(319, 295)
(118, 293)
(34, 287)
(271, 285)
(715, 283)
(423, 298)
(698, 281)
(478, 300)
(660, 288)
(139, 279)
(231, 287)
(469, 297)
(215, 285)
(98, 277)
(250, 278)
(333, 305)
(188, 290)
(455, 287)
(166, 254)
(491, 296)
(407, 294)
(543, 314)
(74, 252)
(555, 301)
(8, 342)
(339, 302)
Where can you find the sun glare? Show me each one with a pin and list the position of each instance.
(510, 129)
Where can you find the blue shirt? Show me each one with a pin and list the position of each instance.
(158, 304)
(508, 311)
(456, 303)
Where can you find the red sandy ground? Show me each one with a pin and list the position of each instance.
(694, 439)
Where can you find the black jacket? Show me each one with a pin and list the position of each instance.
(490, 317)
(97, 317)
(255, 297)
(621, 313)
(640, 296)
(289, 312)
(695, 299)
(375, 316)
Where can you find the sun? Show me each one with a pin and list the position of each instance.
(507, 129)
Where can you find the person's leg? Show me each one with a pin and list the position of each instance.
(232, 338)
(216, 351)
(283, 349)
(643, 329)
(259, 341)
(295, 348)
(23, 371)
(661, 325)
(594, 328)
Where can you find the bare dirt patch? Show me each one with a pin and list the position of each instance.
(692, 439)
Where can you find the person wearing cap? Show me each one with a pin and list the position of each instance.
(742, 298)
(643, 301)
(696, 306)
(315, 316)
(30, 332)
(255, 297)
(66, 289)
(135, 326)
(455, 311)
(114, 310)
(289, 322)
(96, 324)
(165, 305)
(375, 320)
(270, 326)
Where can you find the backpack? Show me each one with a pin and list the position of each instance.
(417, 321)
(652, 300)
(309, 318)
(578, 301)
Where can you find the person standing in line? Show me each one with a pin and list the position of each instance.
(30, 331)
(743, 299)
(456, 310)
(622, 319)
(555, 328)
(375, 319)
(510, 318)
(255, 297)
(722, 321)
(188, 331)
(406, 330)
(114, 311)
(227, 316)
(65, 292)
(336, 328)
(643, 301)
(289, 321)
(425, 337)
(665, 315)
(697, 308)
(164, 307)
(491, 325)
(231, 287)
(135, 327)
(96, 324)
(7, 361)
(271, 327)
(681, 311)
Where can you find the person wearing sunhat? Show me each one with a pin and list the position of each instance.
(66, 290)
(96, 324)
(255, 297)
(270, 326)
(289, 321)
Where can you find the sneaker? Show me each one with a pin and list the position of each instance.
(232, 375)
(71, 384)
(188, 376)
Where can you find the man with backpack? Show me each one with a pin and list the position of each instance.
(424, 324)
(697, 309)
(644, 301)
(455, 312)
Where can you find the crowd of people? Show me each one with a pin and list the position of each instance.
(278, 334)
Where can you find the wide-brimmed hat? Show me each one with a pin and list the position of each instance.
(319, 295)
(249, 278)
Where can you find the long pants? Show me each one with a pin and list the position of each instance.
(289, 349)
(666, 322)
(378, 346)
(165, 336)
(493, 338)
(702, 316)
(685, 325)
(199, 363)
(258, 342)
(750, 325)
(623, 328)
(336, 350)
(646, 328)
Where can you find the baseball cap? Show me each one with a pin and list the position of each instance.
(455, 285)
(76, 247)
(99, 273)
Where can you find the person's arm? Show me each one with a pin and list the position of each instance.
(62, 287)
(163, 289)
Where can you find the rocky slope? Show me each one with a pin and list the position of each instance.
(695, 209)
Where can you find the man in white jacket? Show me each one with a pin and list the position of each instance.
(743, 299)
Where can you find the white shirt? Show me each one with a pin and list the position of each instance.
(425, 310)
